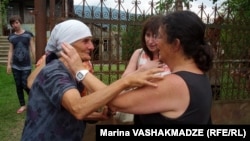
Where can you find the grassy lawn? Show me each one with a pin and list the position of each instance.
(11, 123)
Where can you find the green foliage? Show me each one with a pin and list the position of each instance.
(214, 1)
(238, 7)
(131, 38)
(235, 34)
(3, 8)
(130, 41)
(163, 6)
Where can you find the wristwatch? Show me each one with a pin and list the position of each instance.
(80, 75)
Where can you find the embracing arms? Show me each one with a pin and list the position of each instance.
(102, 94)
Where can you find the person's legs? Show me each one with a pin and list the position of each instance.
(19, 89)
(25, 75)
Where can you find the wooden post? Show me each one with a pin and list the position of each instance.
(40, 27)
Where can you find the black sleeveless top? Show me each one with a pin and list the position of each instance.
(199, 108)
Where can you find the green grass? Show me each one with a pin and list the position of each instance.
(11, 123)
(109, 67)
(108, 73)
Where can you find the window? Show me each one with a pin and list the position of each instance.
(105, 45)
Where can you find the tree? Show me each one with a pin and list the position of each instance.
(165, 6)
(131, 38)
(238, 6)
(3, 14)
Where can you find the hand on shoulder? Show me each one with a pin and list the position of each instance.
(139, 79)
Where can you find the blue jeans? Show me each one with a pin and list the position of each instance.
(20, 77)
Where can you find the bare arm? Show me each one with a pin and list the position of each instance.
(34, 73)
(102, 114)
(75, 63)
(81, 107)
(133, 67)
(171, 98)
(33, 49)
(9, 62)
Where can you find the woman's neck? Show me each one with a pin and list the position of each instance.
(155, 55)
(20, 31)
(188, 65)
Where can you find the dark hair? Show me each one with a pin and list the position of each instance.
(152, 24)
(15, 18)
(190, 30)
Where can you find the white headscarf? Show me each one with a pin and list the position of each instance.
(68, 31)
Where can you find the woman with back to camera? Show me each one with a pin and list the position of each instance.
(184, 96)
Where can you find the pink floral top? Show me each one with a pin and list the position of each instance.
(144, 58)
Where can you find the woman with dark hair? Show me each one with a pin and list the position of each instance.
(147, 56)
(20, 57)
(185, 95)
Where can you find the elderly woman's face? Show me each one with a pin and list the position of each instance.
(84, 47)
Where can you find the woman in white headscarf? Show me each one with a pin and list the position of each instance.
(56, 111)
(69, 32)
